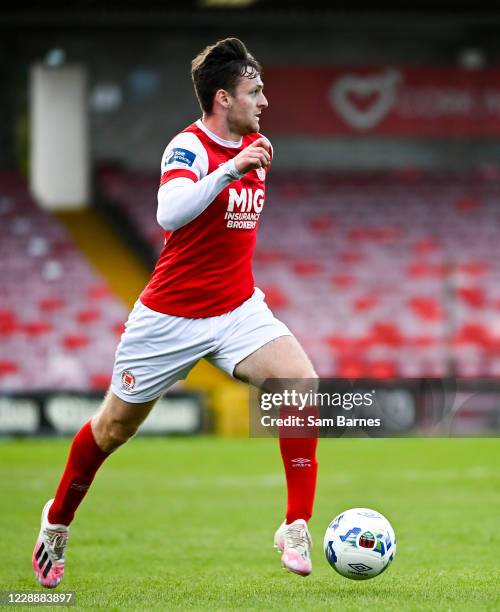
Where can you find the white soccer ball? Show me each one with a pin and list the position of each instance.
(360, 543)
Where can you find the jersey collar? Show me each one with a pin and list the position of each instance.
(218, 139)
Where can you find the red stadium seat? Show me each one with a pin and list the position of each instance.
(306, 268)
(8, 367)
(426, 245)
(338, 342)
(352, 368)
(275, 298)
(322, 224)
(37, 328)
(343, 281)
(88, 316)
(422, 341)
(269, 256)
(381, 369)
(118, 328)
(475, 268)
(472, 333)
(75, 341)
(99, 382)
(8, 322)
(426, 308)
(387, 333)
(51, 304)
(365, 303)
(468, 204)
(423, 269)
(473, 296)
(98, 292)
(349, 257)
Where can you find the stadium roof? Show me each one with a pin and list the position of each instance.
(199, 12)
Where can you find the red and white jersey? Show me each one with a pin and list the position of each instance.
(205, 267)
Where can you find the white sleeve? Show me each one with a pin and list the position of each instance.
(181, 200)
(186, 153)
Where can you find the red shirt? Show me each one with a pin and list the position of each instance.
(205, 267)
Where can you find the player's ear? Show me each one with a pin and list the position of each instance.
(224, 98)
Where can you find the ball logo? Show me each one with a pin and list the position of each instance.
(128, 380)
(367, 540)
(364, 101)
(360, 567)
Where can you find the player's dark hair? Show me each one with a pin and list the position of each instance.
(220, 66)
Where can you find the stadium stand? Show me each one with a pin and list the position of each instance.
(379, 274)
(59, 321)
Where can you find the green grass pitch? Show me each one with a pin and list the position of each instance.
(187, 523)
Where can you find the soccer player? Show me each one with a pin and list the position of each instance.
(200, 302)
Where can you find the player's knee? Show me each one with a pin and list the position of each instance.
(314, 381)
(300, 369)
(304, 375)
(110, 433)
(119, 432)
(302, 380)
(306, 383)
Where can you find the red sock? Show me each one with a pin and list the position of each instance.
(84, 459)
(301, 469)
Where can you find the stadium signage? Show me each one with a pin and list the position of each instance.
(67, 413)
(379, 100)
(64, 414)
(20, 416)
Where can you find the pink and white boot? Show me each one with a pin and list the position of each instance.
(294, 541)
(48, 556)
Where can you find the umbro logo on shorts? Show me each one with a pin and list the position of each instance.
(128, 380)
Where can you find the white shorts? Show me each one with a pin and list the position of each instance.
(156, 350)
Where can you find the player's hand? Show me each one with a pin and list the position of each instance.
(256, 155)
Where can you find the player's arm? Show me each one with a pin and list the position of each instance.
(187, 190)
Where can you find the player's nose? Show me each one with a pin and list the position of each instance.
(263, 103)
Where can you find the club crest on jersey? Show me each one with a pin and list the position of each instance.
(261, 173)
(128, 380)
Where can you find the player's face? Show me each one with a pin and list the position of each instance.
(247, 104)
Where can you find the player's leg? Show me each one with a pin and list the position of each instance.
(115, 423)
(155, 351)
(284, 358)
(255, 346)
(112, 426)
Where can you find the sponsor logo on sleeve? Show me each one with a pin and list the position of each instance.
(180, 156)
